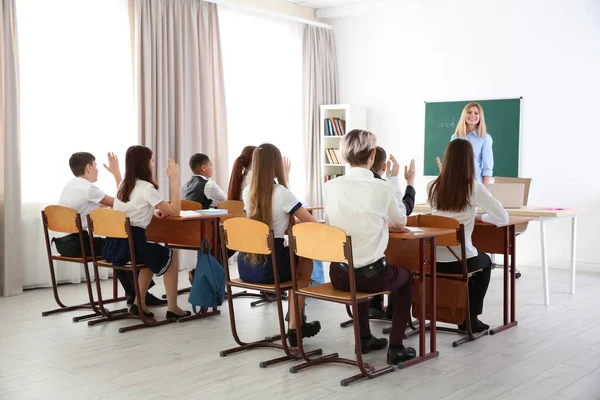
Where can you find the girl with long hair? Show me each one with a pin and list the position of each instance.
(456, 193)
(273, 204)
(240, 174)
(140, 200)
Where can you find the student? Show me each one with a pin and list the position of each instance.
(240, 174)
(380, 167)
(200, 188)
(273, 204)
(139, 199)
(456, 193)
(471, 126)
(83, 196)
(364, 207)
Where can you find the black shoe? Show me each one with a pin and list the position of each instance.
(485, 326)
(374, 312)
(153, 301)
(476, 326)
(172, 315)
(134, 310)
(309, 329)
(373, 343)
(130, 300)
(396, 356)
(191, 276)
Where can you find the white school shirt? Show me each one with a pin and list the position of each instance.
(212, 191)
(82, 196)
(364, 207)
(141, 205)
(284, 204)
(480, 198)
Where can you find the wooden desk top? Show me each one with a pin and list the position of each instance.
(195, 218)
(511, 221)
(427, 232)
(527, 211)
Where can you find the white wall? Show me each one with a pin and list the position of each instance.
(394, 58)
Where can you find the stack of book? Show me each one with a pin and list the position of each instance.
(333, 156)
(330, 177)
(334, 126)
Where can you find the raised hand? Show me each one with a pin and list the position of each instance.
(409, 173)
(173, 171)
(113, 164)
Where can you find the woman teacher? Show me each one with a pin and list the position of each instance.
(471, 127)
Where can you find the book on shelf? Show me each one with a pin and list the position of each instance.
(334, 126)
(333, 156)
(330, 177)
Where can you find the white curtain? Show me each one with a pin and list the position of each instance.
(320, 87)
(11, 278)
(76, 95)
(262, 61)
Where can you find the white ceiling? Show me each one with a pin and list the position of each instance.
(329, 3)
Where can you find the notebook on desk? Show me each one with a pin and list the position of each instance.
(510, 195)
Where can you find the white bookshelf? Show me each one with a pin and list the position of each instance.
(355, 117)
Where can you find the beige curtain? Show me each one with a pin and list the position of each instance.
(179, 85)
(320, 82)
(11, 276)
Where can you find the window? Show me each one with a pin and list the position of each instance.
(262, 63)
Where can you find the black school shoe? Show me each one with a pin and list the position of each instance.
(372, 343)
(309, 329)
(135, 310)
(397, 355)
(151, 301)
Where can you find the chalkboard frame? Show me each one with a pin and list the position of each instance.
(429, 163)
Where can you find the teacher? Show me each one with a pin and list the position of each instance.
(471, 127)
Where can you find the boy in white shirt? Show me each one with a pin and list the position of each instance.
(83, 196)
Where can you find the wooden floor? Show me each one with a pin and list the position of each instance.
(554, 353)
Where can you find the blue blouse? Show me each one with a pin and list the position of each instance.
(484, 156)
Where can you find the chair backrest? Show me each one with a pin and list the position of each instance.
(436, 221)
(321, 242)
(525, 181)
(109, 223)
(234, 207)
(60, 219)
(247, 235)
(189, 205)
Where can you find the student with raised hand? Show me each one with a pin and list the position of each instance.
(379, 168)
(456, 193)
(365, 208)
(200, 187)
(471, 127)
(140, 200)
(273, 204)
(240, 174)
(83, 196)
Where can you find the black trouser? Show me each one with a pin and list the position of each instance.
(478, 283)
(69, 246)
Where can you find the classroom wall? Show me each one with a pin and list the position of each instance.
(393, 58)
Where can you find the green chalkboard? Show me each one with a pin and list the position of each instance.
(502, 119)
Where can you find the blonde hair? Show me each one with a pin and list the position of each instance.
(267, 165)
(356, 146)
(461, 127)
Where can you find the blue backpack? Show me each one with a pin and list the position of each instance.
(208, 288)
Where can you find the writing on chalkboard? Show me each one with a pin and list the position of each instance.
(447, 124)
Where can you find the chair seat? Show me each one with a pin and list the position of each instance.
(261, 286)
(103, 263)
(58, 257)
(182, 247)
(326, 291)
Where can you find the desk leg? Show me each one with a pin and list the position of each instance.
(432, 273)
(433, 353)
(509, 281)
(573, 251)
(544, 263)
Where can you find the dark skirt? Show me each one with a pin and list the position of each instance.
(263, 272)
(156, 257)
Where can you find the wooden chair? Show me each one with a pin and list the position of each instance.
(66, 220)
(322, 242)
(452, 289)
(236, 210)
(249, 236)
(114, 224)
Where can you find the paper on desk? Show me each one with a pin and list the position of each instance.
(188, 214)
(414, 229)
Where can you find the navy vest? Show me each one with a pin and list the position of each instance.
(194, 190)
